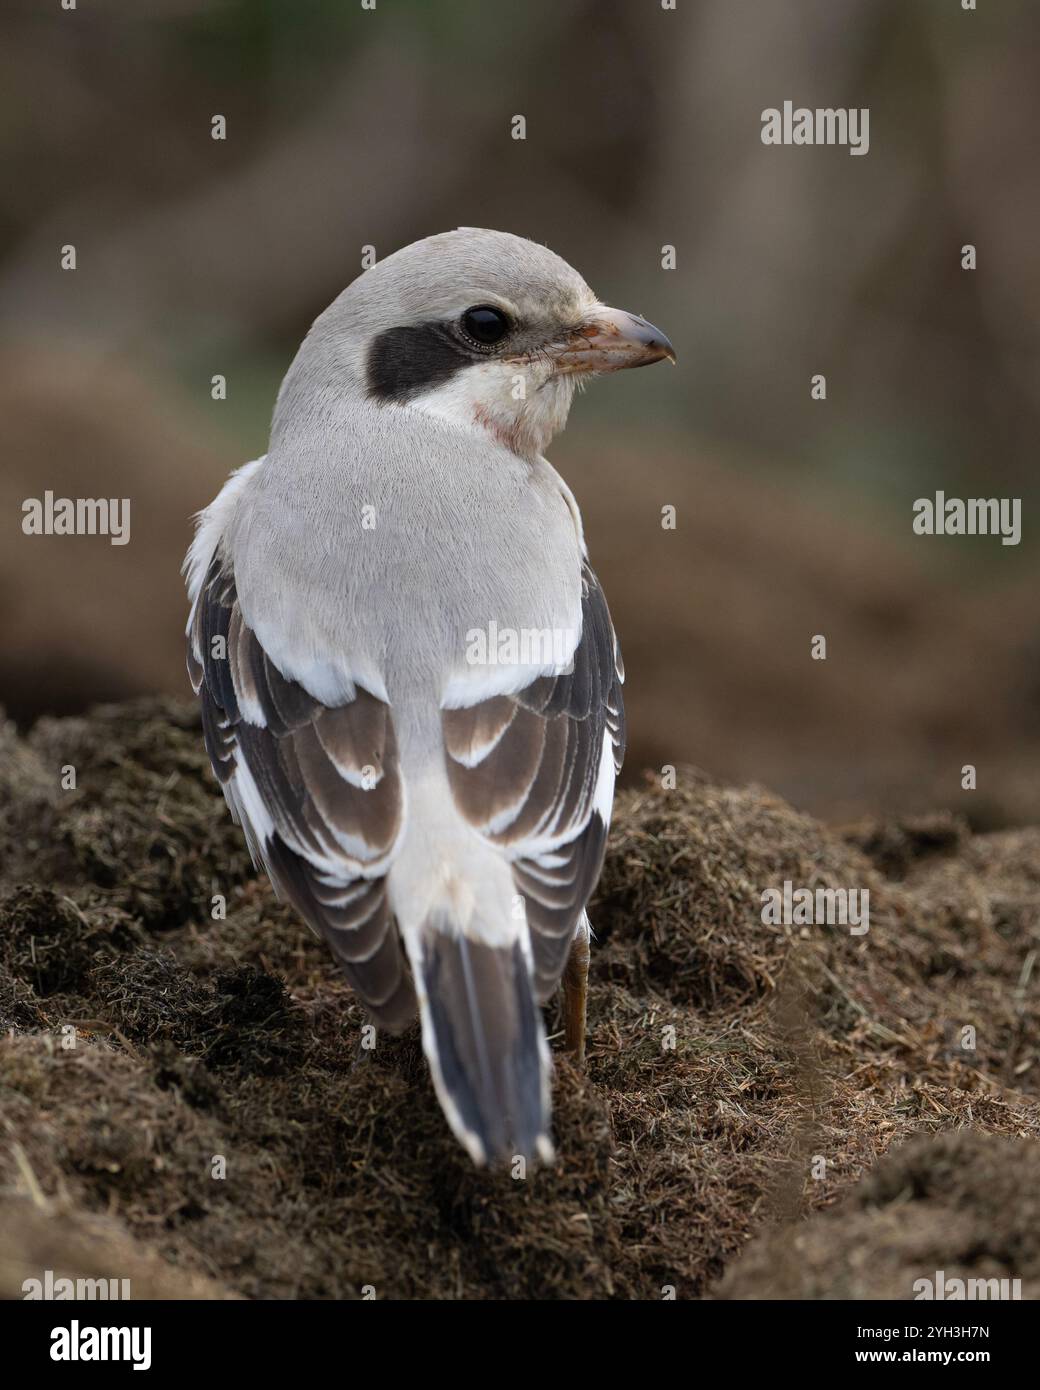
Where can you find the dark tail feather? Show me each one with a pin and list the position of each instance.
(485, 1042)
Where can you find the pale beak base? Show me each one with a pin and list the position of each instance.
(610, 341)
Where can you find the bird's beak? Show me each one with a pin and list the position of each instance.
(609, 340)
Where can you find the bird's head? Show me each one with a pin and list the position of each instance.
(481, 328)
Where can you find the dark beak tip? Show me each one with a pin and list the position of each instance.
(665, 351)
(660, 344)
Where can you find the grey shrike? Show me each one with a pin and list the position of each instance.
(410, 685)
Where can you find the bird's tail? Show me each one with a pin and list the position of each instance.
(485, 1042)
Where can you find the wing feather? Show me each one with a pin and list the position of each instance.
(318, 790)
(533, 772)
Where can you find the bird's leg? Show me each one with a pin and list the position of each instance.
(575, 992)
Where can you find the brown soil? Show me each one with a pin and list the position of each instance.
(197, 1037)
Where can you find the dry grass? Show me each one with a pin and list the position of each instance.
(199, 1038)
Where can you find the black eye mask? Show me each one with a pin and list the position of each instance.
(405, 362)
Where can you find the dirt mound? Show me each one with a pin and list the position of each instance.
(184, 1099)
(965, 1204)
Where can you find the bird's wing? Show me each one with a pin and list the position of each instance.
(534, 771)
(317, 789)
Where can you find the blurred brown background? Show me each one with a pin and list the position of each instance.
(348, 126)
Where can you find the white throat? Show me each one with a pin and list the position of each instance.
(519, 404)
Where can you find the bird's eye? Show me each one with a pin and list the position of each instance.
(484, 325)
